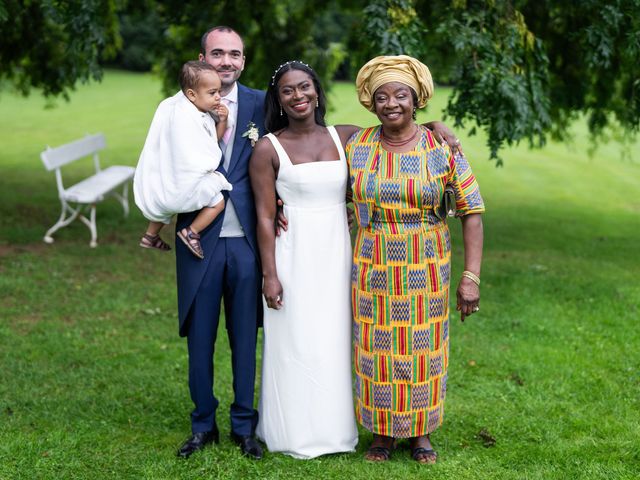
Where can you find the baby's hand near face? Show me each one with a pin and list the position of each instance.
(223, 112)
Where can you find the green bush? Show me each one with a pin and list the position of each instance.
(141, 41)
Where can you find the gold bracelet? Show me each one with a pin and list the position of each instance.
(471, 276)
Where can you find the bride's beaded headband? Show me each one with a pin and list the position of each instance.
(290, 62)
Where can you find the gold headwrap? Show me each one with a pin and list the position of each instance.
(397, 68)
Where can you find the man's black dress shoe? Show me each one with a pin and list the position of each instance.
(249, 445)
(197, 442)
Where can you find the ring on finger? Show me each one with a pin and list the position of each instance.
(476, 309)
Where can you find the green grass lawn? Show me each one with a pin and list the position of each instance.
(93, 375)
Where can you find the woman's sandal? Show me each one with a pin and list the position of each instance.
(154, 241)
(192, 241)
(427, 456)
(379, 453)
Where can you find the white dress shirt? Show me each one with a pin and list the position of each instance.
(230, 224)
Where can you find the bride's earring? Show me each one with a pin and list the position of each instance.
(317, 102)
(280, 110)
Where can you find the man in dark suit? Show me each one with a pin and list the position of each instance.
(230, 269)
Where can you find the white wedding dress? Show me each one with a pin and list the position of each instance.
(306, 399)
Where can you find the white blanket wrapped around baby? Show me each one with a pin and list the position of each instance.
(176, 171)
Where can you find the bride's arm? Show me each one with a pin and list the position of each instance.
(444, 134)
(440, 130)
(263, 168)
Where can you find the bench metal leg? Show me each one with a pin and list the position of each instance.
(91, 223)
(74, 213)
(123, 199)
(63, 221)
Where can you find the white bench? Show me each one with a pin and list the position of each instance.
(90, 191)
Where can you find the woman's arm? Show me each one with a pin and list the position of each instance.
(262, 171)
(345, 131)
(468, 293)
(442, 133)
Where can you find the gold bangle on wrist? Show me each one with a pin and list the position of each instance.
(471, 276)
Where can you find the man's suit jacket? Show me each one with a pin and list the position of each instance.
(189, 269)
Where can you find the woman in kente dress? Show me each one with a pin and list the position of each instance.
(401, 267)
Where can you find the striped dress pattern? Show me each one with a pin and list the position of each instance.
(400, 279)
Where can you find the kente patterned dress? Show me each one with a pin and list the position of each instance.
(400, 279)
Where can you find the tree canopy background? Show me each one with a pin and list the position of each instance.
(519, 69)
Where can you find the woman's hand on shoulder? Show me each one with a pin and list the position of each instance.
(444, 135)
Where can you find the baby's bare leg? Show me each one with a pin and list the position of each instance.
(191, 235)
(206, 216)
(154, 228)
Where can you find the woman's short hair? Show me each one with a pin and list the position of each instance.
(273, 121)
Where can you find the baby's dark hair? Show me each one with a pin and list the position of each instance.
(190, 74)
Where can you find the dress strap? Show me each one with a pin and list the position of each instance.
(282, 154)
(336, 139)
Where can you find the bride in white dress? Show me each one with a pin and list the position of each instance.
(306, 400)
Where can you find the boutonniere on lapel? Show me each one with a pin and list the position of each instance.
(252, 133)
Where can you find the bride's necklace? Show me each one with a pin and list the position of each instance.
(397, 143)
